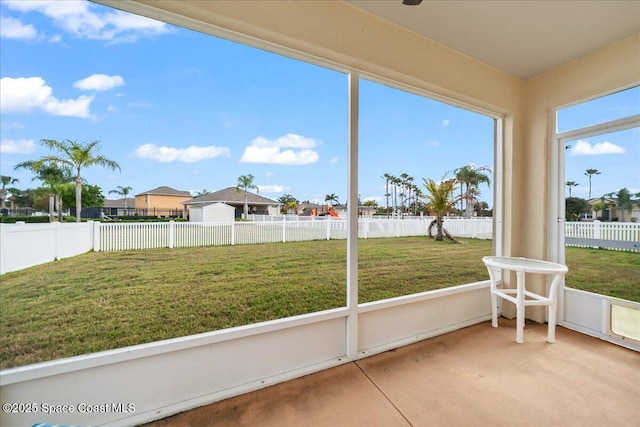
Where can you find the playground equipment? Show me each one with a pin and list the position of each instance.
(332, 212)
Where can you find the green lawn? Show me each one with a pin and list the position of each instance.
(105, 300)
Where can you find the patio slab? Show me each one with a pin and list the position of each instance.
(476, 376)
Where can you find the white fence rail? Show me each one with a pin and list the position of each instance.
(133, 236)
(606, 235)
(26, 245)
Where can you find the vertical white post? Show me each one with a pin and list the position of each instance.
(233, 233)
(284, 229)
(327, 221)
(56, 240)
(96, 235)
(172, 228)
(596, 229)
(352, 220)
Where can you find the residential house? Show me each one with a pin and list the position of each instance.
(162, 201)
(119, 207)
(257, 204)
(612, 212)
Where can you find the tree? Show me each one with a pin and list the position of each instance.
(387, 178)
(6, 180)
(288, 202)
(245, 183)
(574, 207)
(91, 196)
(440, 201)
(54, 179)
(124, 192)
(331, 198)
(77, 156)
(625, 202)
(471, 176)
(589, 173)
(204, 192)
(571, 184)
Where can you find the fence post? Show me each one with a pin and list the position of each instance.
(233, 233)
(284, 229)
(596, 229)
(328, 221)
(96, 236)
(172, 225)
(56, 239)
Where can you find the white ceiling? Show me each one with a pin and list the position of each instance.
(522, 38)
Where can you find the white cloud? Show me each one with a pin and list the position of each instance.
(20, 146)
(190, 154)
(445, 123)
(26, 95)
(584, 148)
(275, 188)
(334, 161)
(11, 28)
(99, 82)
(83, 20)
(290, 149)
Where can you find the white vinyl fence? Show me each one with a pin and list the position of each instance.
(130, 236)
(26, 245)
(606, 235)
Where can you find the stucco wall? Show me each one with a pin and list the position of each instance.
(158, 201)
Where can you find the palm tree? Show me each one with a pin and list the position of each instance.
(288, 203)
(387, 178)
(55, 178)
(571, 184)
(331, 198)
(77, 156)
(440, 200)
(471, 177)
(624, 201)
(245, 183)
(589, 173)
(124, 192)
(6, 180)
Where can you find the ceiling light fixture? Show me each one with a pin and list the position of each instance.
(411, 2)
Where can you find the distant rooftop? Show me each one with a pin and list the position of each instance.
(231, 195)
(166, 191)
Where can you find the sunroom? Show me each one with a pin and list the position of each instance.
(520, 83)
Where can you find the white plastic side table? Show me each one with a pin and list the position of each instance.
(519, 295)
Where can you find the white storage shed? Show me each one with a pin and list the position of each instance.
(215, 212)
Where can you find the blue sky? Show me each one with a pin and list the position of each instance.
(174, 107)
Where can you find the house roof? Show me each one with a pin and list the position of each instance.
(231, 196)
(119, 203)
(166, 191)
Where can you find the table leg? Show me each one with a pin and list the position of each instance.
(520, 307)
(494, 310)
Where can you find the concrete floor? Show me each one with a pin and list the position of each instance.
(477, 376)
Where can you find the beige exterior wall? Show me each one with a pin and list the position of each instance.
(158, 201)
